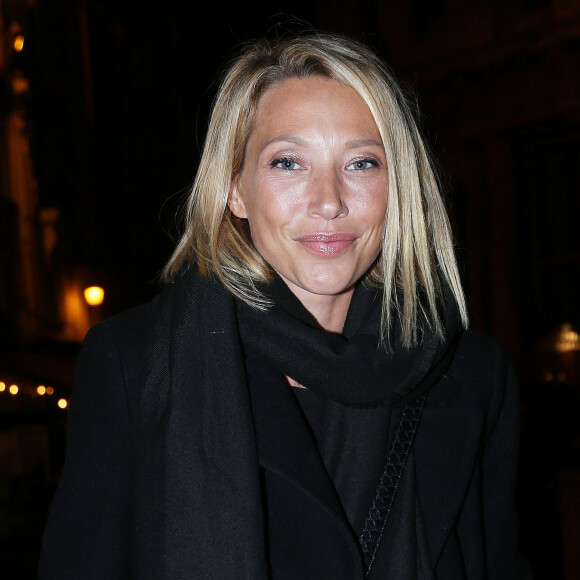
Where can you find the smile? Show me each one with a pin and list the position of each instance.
(327, 244)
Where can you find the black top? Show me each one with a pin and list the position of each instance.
(353, 444)
(352, 441)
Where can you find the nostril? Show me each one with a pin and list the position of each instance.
(330, 211)
(329, 206)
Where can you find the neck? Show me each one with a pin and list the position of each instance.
(329, 311)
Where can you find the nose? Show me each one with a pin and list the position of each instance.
(327, 199)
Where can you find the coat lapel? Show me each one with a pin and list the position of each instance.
(445, 457)
(287, 446)
(310, 529)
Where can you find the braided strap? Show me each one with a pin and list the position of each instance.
(389, 480)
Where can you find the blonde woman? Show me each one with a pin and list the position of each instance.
(303, 400)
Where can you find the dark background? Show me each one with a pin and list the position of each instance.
(102, 119)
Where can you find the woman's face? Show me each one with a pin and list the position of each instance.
(314, 186)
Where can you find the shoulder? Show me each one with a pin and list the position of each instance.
(480, 351)
(189, 296)
(128, 327)
(482, 371)
(144, 336)
(130, 331)
(117, 347)
(126, 332)
(107, 367)
(477, 346)
(479, 357)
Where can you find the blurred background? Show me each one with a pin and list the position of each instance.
(103, 109)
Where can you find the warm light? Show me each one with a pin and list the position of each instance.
(18, 43)
(41, 389)
(94, 295)
(568, 339)
(76, 314)
(49, 391)
(62, 403)
(2, 386)
(13, 389)
(20, 84)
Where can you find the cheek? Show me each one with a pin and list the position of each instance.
(280, 195)
(273, 204)
(378, 201)
(370, 194)
(371, 206)
(265, 222)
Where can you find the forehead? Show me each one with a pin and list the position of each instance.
(312, 103)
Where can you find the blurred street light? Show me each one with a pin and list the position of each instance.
(94, 295)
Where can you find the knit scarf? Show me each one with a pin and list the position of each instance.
(350, 368)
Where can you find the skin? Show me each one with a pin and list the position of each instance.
(314, 189)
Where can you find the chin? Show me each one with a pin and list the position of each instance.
(326, 285)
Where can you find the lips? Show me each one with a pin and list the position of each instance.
(327, 244)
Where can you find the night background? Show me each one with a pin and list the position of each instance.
(103, 111)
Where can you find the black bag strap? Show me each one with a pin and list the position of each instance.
(389, 480)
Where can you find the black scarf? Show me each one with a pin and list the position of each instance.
(350, 367)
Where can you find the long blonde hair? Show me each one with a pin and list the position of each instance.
(417, 257)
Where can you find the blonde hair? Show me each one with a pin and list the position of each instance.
(417, 257)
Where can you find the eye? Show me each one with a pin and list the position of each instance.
(363, 164)
(286, 163)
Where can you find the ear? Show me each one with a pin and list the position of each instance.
(235, 200)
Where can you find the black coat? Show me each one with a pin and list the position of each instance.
(163, 477)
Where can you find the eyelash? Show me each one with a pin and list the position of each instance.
(371, 162)
(281, 160)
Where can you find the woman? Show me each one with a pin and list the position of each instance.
(302, 400)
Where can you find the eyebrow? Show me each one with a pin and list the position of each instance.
(285, 139)
(364, 143)
(353, 144)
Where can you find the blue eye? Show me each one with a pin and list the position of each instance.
(363, 164)
(285, 163)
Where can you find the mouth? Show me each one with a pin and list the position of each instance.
(327, 244)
